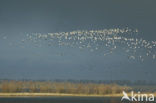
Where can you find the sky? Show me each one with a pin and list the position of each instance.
(20, 60)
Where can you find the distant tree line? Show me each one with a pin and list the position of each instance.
(20, 86)
(118, 82)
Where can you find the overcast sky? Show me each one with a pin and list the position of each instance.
(18, 17)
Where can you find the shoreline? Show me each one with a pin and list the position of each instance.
(60, 95)
(55, 94)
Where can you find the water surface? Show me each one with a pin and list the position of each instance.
(59, 100)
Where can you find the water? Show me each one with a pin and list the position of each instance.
(59, 100)
(65, 100)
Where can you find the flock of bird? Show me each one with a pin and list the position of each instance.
(106, 41)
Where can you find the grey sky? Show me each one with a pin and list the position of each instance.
(42, 16)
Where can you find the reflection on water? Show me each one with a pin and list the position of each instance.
(61, 100)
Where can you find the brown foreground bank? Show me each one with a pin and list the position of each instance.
(54, 94)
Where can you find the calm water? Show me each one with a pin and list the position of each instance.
(64, 100)
(59, 100)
